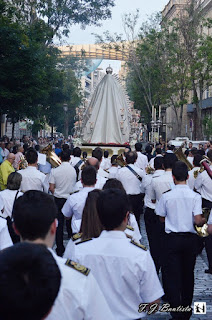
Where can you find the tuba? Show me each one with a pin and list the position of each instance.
(51, 156)
(180, 155)
(202, 231)
(205, 165)
(120, 161)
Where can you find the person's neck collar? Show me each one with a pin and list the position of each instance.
(180, 183)
(85, 186)
(32, 165)
(168, 170)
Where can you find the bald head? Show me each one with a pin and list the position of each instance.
(93, 162)
(11, 157)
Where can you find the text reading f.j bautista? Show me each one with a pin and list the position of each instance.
(165, 307)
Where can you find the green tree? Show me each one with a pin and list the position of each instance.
(61, 14)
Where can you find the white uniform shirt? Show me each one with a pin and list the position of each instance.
(75, 297)
(142, 161)
(210, 218)
(190, 159)
(33, 179)
(64, 178)
(125, 273)
(8, 197)
(105, 163)
(203, 184)
(100, 181)
(74, 160)
(113, 171)
(135, 233)
(130, 183)
(191, 180)
(74, 206)
(147, 188)
(103, 173)
(5, 240)
(179, 206)
(161, 184)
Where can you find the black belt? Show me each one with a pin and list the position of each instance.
(182, 234)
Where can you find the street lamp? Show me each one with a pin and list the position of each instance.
(65, 108)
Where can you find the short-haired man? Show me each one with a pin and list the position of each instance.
(61, 183)
(32, 178)
(100, 180)
(35, 221)
(203, 184)
(105, 164)
(75, 203)
(124, 270)
(180, 208)
(5, 169)
(29, 282)
(150, 218)
(131, 178)
(142, 160)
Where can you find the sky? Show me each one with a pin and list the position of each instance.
(146, 8)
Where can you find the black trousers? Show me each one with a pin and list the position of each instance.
(181, 250)
(136, 203)
(153, 234)
(59, 233)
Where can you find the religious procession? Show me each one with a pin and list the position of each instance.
(105, 160)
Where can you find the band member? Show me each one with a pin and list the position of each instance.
(179, 208)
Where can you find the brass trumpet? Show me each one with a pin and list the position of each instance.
(120, 161)
(180, 156)
(51, 156)
(202, 231)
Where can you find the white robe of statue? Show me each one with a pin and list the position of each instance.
(109, 119)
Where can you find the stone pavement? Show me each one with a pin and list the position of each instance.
(202, 287)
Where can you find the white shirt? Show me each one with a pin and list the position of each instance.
(103, 173)
(74, 160)
(191, 180)
(64, 178)
(113, 172)
(75, 297)
(5, 240)
(33, 179)
(135, 233)
(210, 218)
(147, 188)
(74, 206)
(105, 163)
(125, 273)
(100, 181)
(142, 161)
(203, 184)
(130, 183)
(8, 197)
(161, 184)
(179, 206)
(190, 159)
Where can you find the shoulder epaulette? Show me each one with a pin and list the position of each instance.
(128, 236)
(130, 228)
(76, 236)
(74, 192)
(83, 241)
(74, 265)
(196, 172)
(139, 245)
(167, 191)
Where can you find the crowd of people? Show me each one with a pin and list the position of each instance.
(105, 271)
